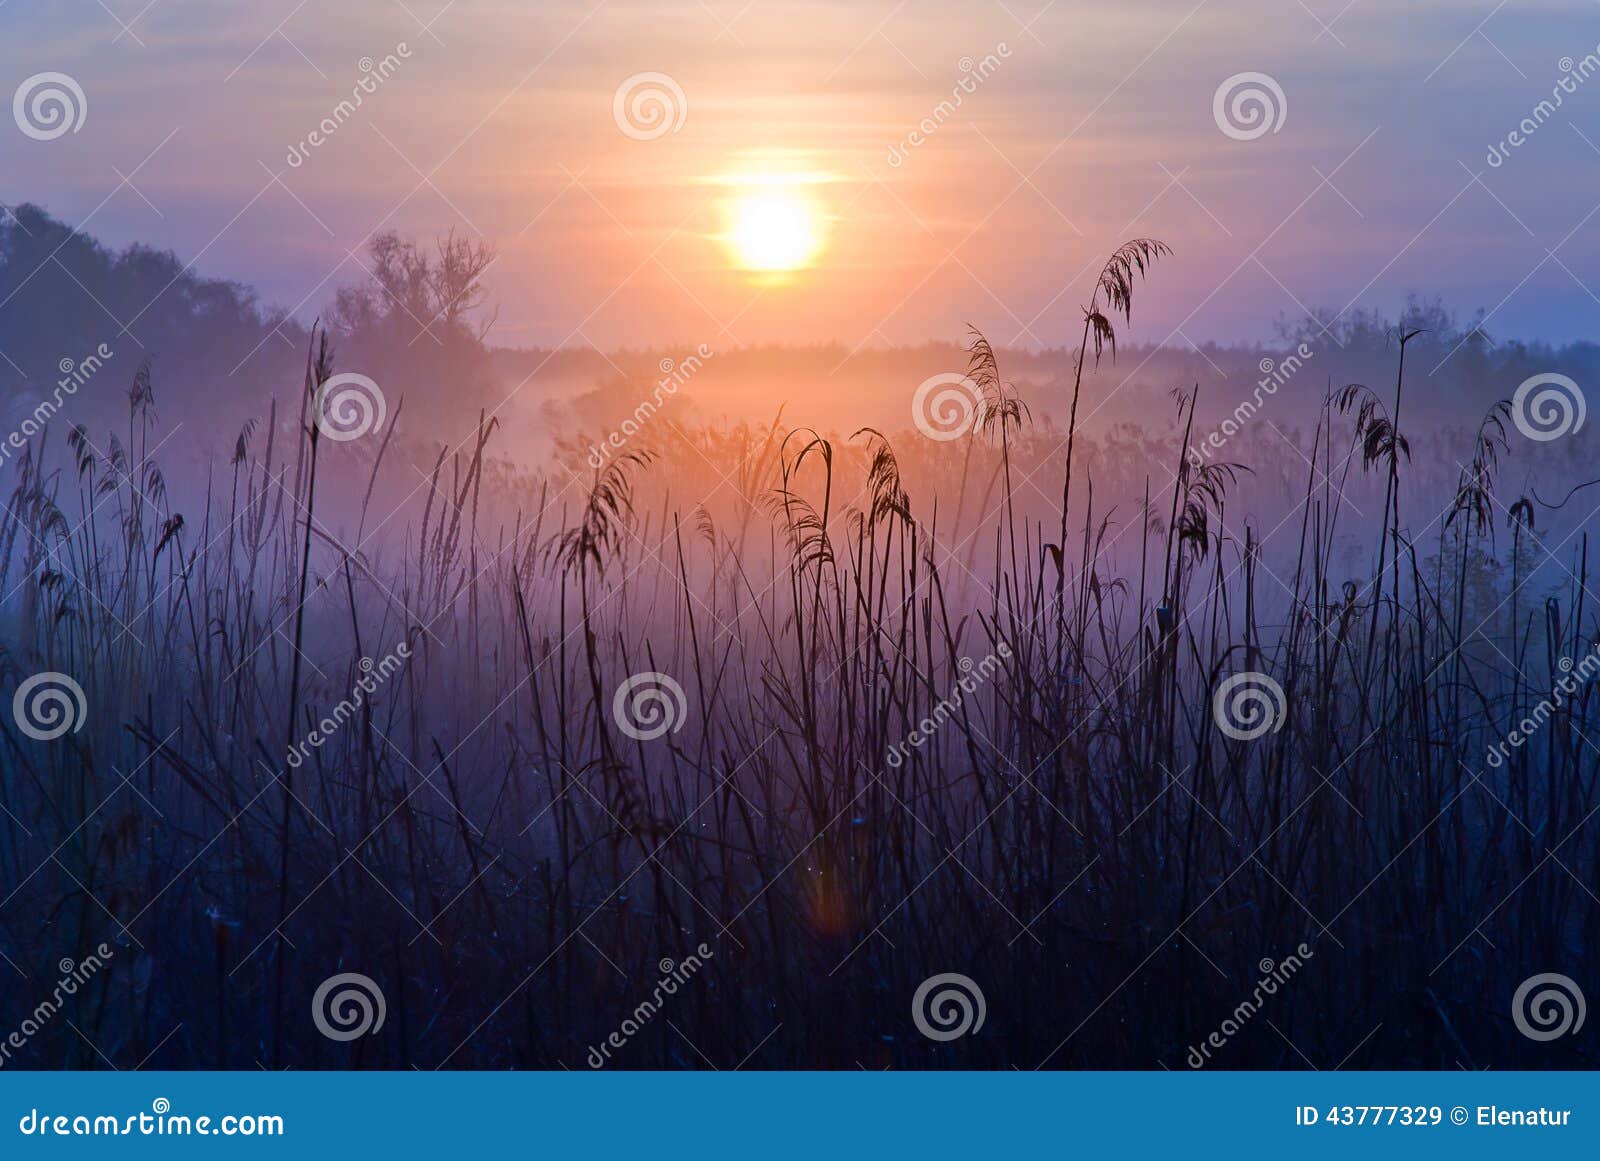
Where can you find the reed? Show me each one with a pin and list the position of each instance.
(928, 725)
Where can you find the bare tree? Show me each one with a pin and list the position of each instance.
(411, 291)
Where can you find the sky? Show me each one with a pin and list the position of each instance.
(1078, 126)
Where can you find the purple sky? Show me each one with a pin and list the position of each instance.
(1079, 125)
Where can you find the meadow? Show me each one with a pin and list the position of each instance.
(832, 712)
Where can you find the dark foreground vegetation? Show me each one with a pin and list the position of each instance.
(951, 718)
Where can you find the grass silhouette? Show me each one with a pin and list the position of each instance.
(1106, 847)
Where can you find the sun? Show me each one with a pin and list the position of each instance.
(774, 229)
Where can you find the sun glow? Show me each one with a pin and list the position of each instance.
(774, 228)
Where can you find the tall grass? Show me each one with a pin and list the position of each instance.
(1077, 834)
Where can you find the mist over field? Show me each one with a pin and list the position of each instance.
(597, 654)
